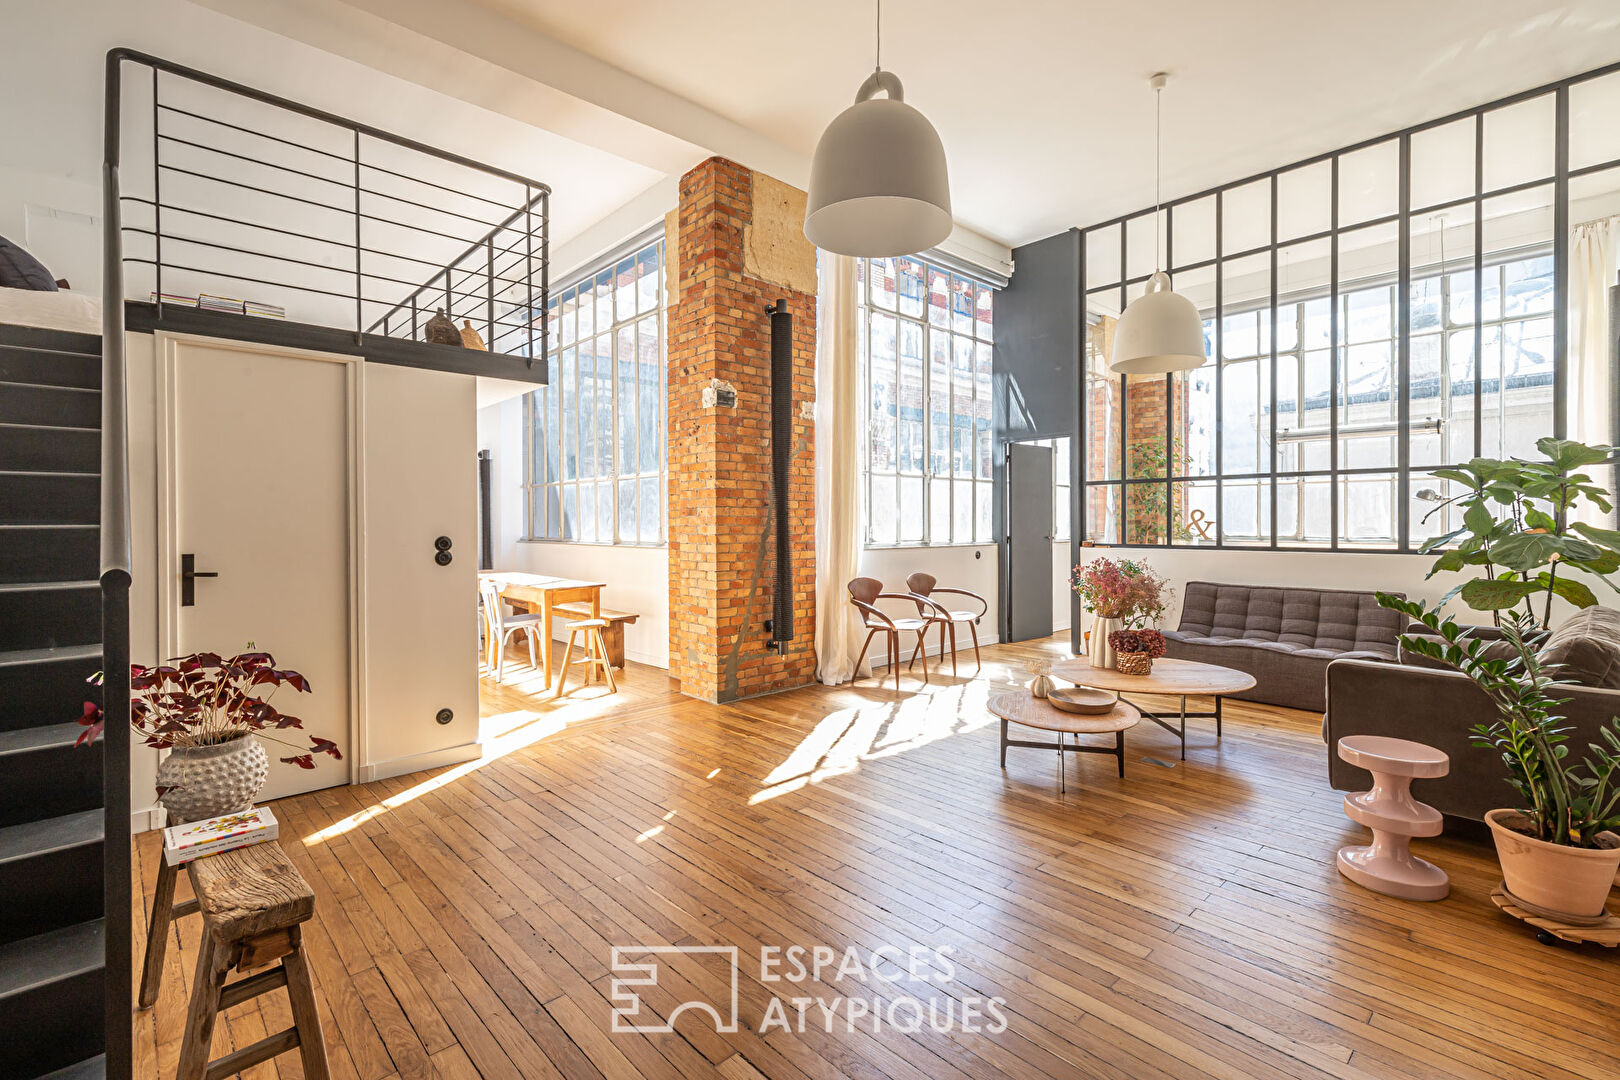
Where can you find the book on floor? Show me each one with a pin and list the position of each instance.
(182, 843)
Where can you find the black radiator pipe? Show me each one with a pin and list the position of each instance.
(486, 495)
(781, 627)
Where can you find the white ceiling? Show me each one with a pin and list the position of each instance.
(51, 58)
(1044, 107)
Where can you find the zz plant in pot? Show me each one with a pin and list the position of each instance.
(1521, 535)
(1558, 851)
(206, 710)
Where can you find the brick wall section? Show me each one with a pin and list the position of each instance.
(1145, 404)
(721, 547)
(1144, 430)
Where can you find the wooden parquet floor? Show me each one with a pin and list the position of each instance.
(1181, 922)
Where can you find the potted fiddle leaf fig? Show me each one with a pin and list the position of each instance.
(1519, 529)
(1559, 850)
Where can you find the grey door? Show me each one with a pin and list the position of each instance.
(1029, 541)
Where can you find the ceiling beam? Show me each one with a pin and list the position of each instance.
(482, 57)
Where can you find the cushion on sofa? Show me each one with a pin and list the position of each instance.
(1336, 621)
(20, 270)
(1586, 648)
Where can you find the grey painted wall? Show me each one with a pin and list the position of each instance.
(1039, 335)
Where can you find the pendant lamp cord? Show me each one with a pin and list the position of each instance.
(878, 60)
(1158, 97)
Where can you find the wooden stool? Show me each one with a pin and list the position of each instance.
(253, 903)
(1388, 865)
(596, 654)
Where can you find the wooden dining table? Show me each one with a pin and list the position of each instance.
(539, 593)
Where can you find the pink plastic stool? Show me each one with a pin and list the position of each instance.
(1388, 865)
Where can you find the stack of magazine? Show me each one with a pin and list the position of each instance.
(182, 843)
(219, 303)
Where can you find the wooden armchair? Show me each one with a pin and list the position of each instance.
(926, 587)
(864, 593)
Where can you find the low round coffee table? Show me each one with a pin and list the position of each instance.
(1022, 707)
(1174, 678)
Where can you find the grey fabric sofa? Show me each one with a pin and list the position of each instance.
(1284, 637)
(1430, 703)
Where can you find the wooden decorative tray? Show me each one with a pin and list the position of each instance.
(1081, 700)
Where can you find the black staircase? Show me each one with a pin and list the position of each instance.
(53, 970)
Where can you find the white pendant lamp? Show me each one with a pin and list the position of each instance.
(1160, 331)
(878, 184)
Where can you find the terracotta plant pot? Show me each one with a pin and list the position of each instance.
(1134, 663)
(206, 781)
(1555, 877)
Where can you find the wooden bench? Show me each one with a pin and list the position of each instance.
(613, 634)
(253, 903)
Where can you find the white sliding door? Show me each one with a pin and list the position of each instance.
(256, 484)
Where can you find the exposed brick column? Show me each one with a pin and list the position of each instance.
(736, 246)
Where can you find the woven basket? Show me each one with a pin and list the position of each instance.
(1134, 663)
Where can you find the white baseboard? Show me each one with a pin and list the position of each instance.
(433, 759)
(153, 817)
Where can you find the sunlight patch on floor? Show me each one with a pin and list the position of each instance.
(499, 735)
(885, 726)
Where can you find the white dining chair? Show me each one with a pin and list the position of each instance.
(499, 625)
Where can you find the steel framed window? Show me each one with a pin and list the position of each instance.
(1371, 315)
(925, 363)
(594, 453)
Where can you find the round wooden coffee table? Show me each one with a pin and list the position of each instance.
(1022, 707)
(1173, 678)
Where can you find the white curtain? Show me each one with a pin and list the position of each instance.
(1592, 266)
(839, 528)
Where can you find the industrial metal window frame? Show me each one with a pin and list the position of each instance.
(979, 336)
(1405, 541)
(545, 496)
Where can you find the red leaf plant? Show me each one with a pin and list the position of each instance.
(203, 700)
(1138, 641)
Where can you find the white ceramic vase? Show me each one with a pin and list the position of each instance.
(1098, 651)
(206, 781)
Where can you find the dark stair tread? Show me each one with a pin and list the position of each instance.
(46, 737)
(53, 386)
(50, 834)
(44, 427)
(42, 338)
(38, 525)
(48, 472)
(89, 1069)
(52, 350)
(51, 957)
(51, 655)
(48, 586)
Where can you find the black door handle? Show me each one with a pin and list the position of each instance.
(188, 579)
